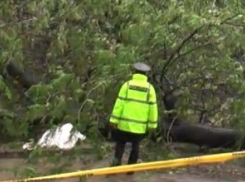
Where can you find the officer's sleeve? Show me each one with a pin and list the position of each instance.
(153, 112)
(118, 107)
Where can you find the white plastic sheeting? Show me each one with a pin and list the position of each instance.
(62, 137)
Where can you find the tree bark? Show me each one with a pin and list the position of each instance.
(203, 135)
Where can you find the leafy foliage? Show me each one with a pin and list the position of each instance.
(80, 53)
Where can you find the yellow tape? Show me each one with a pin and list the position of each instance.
(214, 158)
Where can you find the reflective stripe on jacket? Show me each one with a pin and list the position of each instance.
(136, 109)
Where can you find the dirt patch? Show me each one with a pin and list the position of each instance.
(228, 172)
(203, 173)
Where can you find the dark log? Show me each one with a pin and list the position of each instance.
(203, 135)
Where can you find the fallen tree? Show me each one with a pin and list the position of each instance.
(173, 129)
(203, 136)
(83, 59)
(206, 137)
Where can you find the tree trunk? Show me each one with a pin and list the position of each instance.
(202, 135)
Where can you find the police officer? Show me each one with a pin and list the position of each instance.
(135, 113)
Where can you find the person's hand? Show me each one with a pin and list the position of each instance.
(150, 130)
(113, 125)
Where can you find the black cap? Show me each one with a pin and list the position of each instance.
(142, 67)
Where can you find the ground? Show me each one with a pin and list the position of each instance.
(233, 171)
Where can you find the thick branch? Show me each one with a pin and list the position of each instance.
(203, 135)
(186, 53)
(230, 18)
(177, 49)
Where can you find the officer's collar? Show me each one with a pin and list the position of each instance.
(138, 76)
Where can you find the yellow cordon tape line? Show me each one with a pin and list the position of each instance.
(214, 158)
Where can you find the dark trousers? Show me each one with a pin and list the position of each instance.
(121, 138)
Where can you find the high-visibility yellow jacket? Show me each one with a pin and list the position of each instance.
(136, 108)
